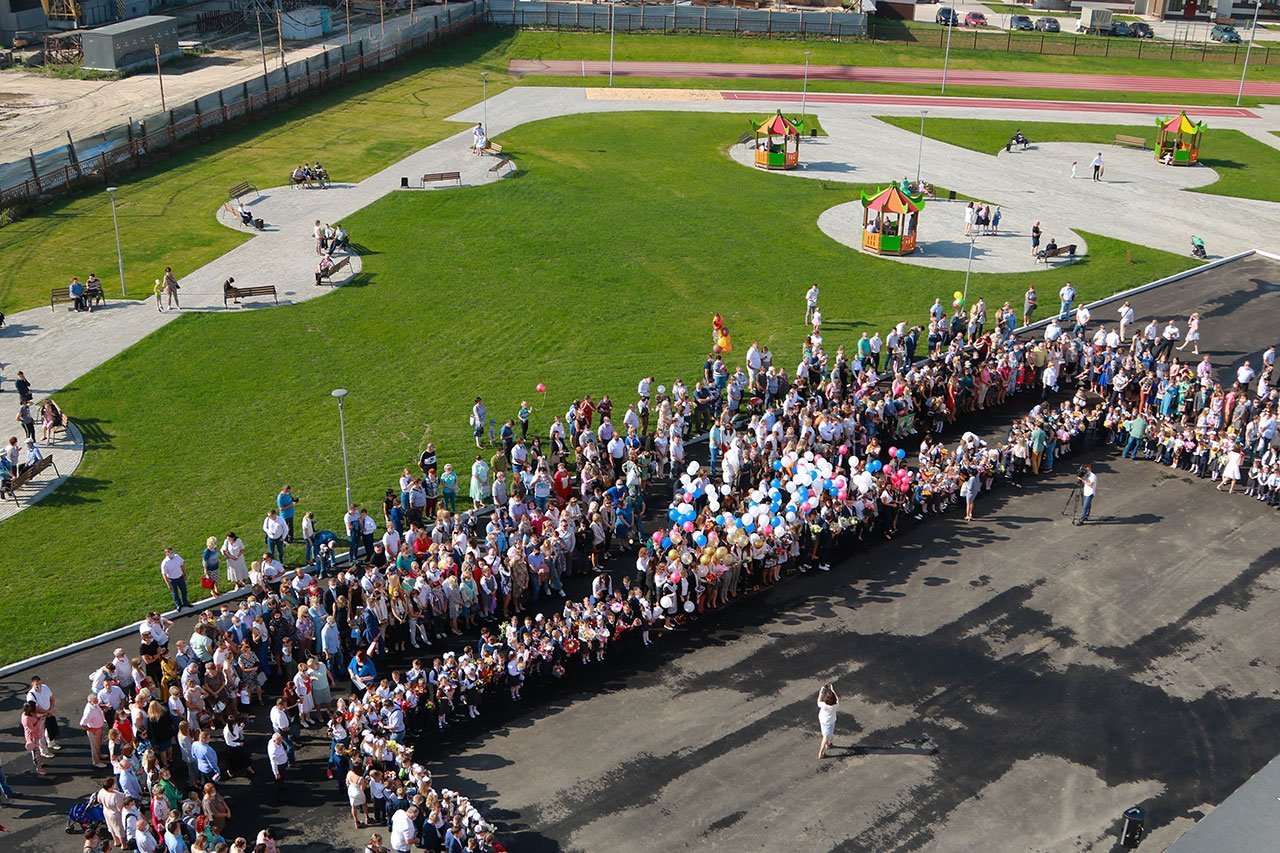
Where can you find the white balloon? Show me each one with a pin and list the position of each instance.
(693, 467)
(689, 607)
(666, 602)
(725, 490)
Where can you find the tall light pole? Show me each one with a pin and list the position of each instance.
(804, 92)
(111, 191)
(965, 301)
(946, 57)
(341, 393)
(160, 76)
(920, 153)
(1253, 33)
(611, 5)
(484, 81)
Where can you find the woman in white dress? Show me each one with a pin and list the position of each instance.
(1193, 334)
(233, 553)
(1231, 471)
(828, 707)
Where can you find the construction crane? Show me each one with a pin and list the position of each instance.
(62, 10)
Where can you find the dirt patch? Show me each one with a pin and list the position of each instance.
(653, 95)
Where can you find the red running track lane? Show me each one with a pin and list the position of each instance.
(917, 76)
(983, 103)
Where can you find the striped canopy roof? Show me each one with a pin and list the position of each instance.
(893, 200)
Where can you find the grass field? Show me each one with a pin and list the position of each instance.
(166, 213)
(621, 255)
(1246, 167)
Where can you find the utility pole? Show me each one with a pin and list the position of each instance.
(1253, 33)
(348, 21)
(946, 57)
(611, 5)
(160, 76)
(280, 32)
(263, 47)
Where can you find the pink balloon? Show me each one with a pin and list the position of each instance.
(844, 448)
(806, 506)
(675, 577)
(843, 495)
(688, 527)
(542, 389)
(766, 530)
(893, 451)
(657, 536)
(906, 487)
(688, 497)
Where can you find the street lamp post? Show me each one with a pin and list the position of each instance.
(611, 6)
(920, 153)
(965, 301)
(484, 81)
(115, 223)
(1253, 33)
(946, 56)
(341, 393)
(804, 92)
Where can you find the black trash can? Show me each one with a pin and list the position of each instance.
(1134, 827)
(404, 183)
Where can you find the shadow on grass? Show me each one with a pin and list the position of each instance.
(93, 431)
(76, 491)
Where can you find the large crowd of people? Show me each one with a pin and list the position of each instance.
(441, 613)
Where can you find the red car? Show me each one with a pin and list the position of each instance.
(975, 19)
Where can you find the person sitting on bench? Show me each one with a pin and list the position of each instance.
(92, 290)
(326, 265)
(1018, 139)
(246, 215)
(1050, 248)
(300, 176)
(321, 176)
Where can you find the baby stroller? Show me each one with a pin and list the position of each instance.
(1197, 249)
(84, 815)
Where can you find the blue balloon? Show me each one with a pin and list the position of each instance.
(700, 539)
(902, 454)
(777, 521)
(777, 464)
(699, 492)
(776, 484)
(750, 527)
(874, 465)
(666, 541)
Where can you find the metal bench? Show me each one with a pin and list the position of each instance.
(63, 294)
(1131, 141)
(433, 177)
(234, 294)
(333, 271)
(242, 188)
(30, 473)
(493, 148)
(502, 161)
(1045, 254)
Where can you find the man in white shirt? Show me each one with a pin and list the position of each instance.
(810, 303)
(753, 360)
(174, 572)
(1168, 338)
(278, 755)
(1097, 167)
(1052, 331)
(43, 697)
(1245, 373)
(1089, 487)
(1083, 316)
(1066, 298)
(1126, 316)
(144, 841)
(300, 582)
(275, 531)
(403, 830)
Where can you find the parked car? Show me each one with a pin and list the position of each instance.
(1225, 33)
(1020, 22)
(1120, 29)
(975, 19)
(947, 17)
(1141, 31)
(1048, 25)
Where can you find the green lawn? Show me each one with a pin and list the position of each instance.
(1246, 167)
(166, 213)
(610, 260)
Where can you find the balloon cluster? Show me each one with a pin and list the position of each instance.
(957, 300)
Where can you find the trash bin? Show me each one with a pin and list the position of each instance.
(404, 183)
(1134, 827)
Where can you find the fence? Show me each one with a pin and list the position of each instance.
(668, 18)
(1068, 44)
(102, 158)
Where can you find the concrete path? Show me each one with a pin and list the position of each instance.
(55, 348)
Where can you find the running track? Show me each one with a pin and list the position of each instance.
(916, 76)
(981, 103)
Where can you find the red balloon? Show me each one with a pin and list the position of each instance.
(542, 389)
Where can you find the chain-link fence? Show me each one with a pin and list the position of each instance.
(103, 157)
(669, 18)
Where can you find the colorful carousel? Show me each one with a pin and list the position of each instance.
(890, 220)
(1178, 140)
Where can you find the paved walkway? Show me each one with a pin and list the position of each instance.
(55, 348)
(872, 74)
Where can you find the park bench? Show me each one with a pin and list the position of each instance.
(333, 271)
(1045, 254)
(235, 294)
(242, 188)
(433, 177)
(30, 473)
(746, 138)
(63, 294)
(493, 148)
(1131, 141)
(502, 161)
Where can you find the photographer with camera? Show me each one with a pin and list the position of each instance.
(1089, 487)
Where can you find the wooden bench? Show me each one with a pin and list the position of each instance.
(242, 188)
(333, 271)
(502, 161)
(1131, 141)
(493, 148)
(1045, 254)
(235, 294)
(746, 138)
(433, 177)
(63, 294)
(30, 473)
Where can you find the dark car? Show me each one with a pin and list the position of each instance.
(947, 17)
(975, 19)
(1225, 33)
(1048, 25)
(1141, 31)
(1121, 29)
(1021, 22)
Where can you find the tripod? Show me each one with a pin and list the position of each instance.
(1072, 507)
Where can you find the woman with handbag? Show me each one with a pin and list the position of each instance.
(210, 562)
